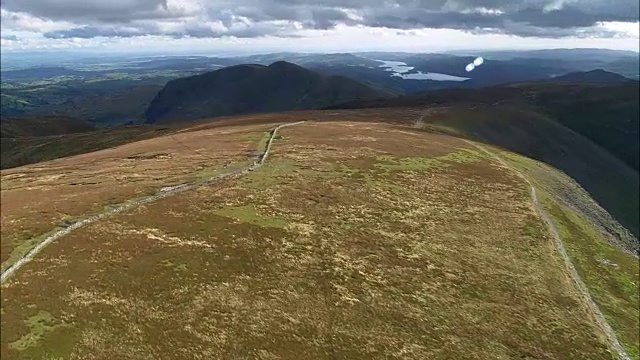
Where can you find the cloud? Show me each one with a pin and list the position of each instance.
(17, 21)
(90, 10)
(61, 19)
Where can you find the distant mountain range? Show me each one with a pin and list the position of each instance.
(253, 88)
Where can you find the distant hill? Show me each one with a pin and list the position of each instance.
(244, 89)
(598, 76)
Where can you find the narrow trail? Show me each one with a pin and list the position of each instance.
(132, 204)
(573, 273)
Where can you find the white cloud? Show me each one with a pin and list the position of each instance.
(17, 21)
(342, 38)
(622, 29)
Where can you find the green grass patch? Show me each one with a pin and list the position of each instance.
(262, 145)
(269, 174)
(463, 156)
(22, 247)
(389, 163)
(178, 267)
(567, 191)
(248, 214)
(39, 326)
(460, 156)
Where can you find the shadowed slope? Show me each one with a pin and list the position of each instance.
(245, 89)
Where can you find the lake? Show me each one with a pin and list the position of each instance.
(400, 69)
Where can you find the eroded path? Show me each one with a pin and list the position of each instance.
(134, 203)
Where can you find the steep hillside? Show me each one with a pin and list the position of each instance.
(246, 89)
(353, 239)
(609, 115)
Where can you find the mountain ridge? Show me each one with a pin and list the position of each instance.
(252, 88)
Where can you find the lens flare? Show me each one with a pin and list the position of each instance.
(477, 62)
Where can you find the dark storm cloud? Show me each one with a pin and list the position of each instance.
(88, 10)
(477, 14)
(192, 30)
(401, 19)
(567, 17)
(548, 18)
(88, 32)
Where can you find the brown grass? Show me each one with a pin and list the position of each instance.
(37, 198)
(411, 246)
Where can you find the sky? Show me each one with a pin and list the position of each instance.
(316, 25)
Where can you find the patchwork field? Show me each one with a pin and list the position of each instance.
(355, 240)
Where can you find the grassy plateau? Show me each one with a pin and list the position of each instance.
(357, 239)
